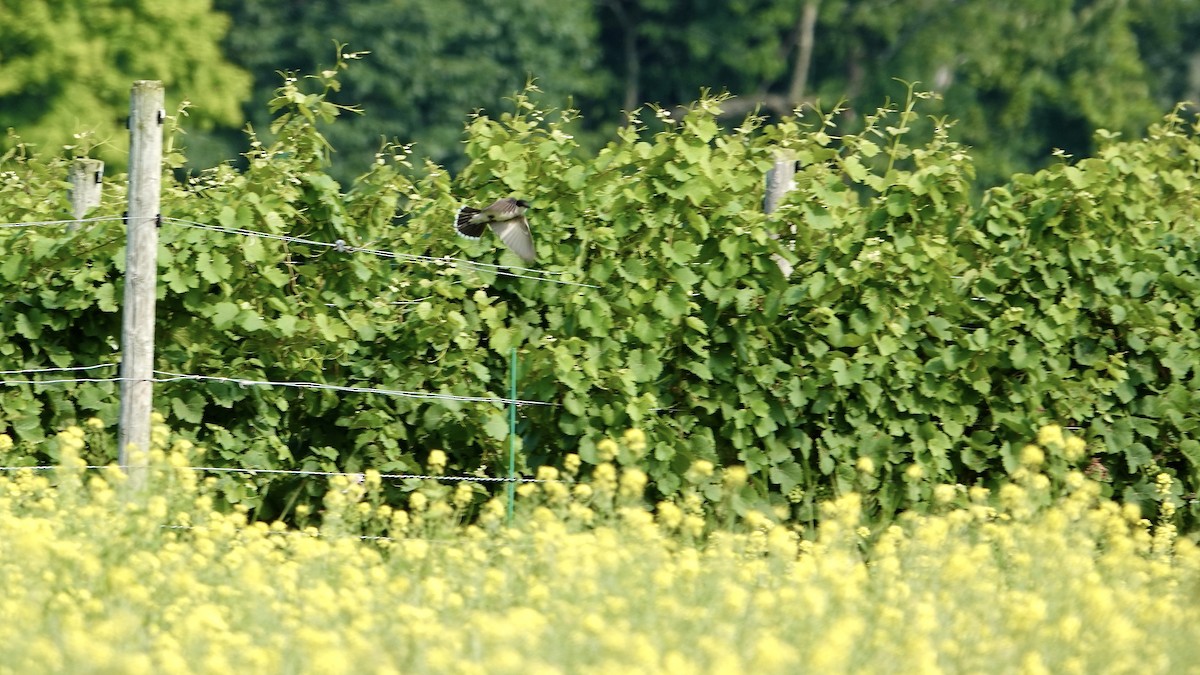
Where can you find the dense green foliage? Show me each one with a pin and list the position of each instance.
(918, 334)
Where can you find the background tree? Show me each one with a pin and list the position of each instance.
(1165, 31)
(66, 67)
(1020, 78)
(667, 51)
(430, 64)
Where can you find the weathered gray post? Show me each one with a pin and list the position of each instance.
(781, 178)
(86, 177)
(146, 114)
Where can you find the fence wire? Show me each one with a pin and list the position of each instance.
(357, 476)
(168, 377)
(341, 246)
(57, 223)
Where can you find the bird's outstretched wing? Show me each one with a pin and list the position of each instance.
(501, 209)
(507, 218)
(515, 234)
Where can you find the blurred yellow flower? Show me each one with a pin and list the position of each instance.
(571, 464)
(734, 477)
(635, 439)
(633, 483)
(1032, 456)
(944, 493)
(1051, 434)
(669, 515)
(1074, 449)
(464, 494)
(757, 520)
(1132, 512)
(436, 463)
(1162, 483)
(866, 465)
(585, 583)
(417, 501)
(699, 471)
(606, 450)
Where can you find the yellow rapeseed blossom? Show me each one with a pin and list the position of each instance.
(700, 471)
(865, 465)
(1132, 512)
(757, 520)
(464, 494)
(417, 501)
(670, 516)
(6, 443)
(436, 463)
(70, 440)
(1050, 435)
(633, 483)
(635, 440)
(571, 464)
(1074, 449)
(605, 476)
(173, 581)
(606, 450)
(944, 493)
(1032, 456)
(1162, 483)
(734, 477)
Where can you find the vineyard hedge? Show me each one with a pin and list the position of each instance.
(925, 324)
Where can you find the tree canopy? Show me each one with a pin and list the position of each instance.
(429, 64)
(66, 67)
(1020, 79)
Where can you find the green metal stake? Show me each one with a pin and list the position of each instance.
(512, 434)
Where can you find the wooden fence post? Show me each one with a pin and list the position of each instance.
(781, 179)
(146, 115)
(87, 178)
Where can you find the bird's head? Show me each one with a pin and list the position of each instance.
(522, 203)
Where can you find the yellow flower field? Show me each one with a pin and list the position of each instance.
(97, 580)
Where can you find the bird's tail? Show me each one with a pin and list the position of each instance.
(463, 225)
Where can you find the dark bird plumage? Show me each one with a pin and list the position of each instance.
(507, 219)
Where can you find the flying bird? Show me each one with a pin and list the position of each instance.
(507, 218)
